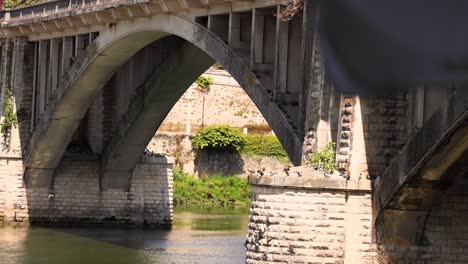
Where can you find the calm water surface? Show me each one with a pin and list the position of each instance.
(198, 236)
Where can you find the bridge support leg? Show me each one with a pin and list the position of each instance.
(39, 178)
(180, 64)
(305, 217)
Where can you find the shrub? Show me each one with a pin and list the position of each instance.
(9, 116)
(265, 146)
(218, 138)
(325, 158)
(204, 82)
(214, 190)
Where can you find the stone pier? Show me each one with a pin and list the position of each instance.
(77, 197)
(305, 216)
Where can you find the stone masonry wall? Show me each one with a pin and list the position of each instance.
(372, 132)
(445, 239)
(76, 196)
(225, 103)
(179, 146)
(309, 219)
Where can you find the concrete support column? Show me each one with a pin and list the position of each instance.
(95, 136)
(54, 73)
(7, 47)
(67, 53)
(234, 34)
(6, 83)
(22, 88)
(41, 92)
(281, 54)
(240, 33)
(219, 25)
(256, 48)
(82, 42)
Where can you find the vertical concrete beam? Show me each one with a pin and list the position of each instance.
(419, 107)
(281, 53)
(82, 42)
(309, 39)
(67, 53)
(240, 33)
(95, 129)
(21, 86)
(6, 70)
(295, 57)
(234, 34)
(54, 72)
(256, 48)
(35, 86)
(219, 25)
(41, 92)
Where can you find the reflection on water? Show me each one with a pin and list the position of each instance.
(198, 236)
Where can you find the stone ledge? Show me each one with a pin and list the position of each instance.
(10, 155)
(156, 160)
(309, 179)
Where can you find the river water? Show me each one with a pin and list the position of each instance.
(198, 236)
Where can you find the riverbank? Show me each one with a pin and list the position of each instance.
(212, 191)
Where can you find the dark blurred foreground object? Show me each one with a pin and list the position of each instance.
(379, 47)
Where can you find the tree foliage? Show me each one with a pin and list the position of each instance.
(204, 82)
(218, 138)
(325, 158)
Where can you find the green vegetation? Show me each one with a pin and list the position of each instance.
(226, 138)
(258, 129)
(218, 138)
(264, 146)
(18, 3)
(325, 158)
(9, 116)
(211, 191)
(204, 82)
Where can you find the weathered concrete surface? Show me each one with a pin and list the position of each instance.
(419, 176)
(184, 63)
(444, 237)
(73, 97)
(308, 178)
(88, 75)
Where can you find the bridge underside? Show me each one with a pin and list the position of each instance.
(160, 73)
(433, 162)
(110, 87)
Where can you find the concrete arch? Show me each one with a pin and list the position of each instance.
(112, 48)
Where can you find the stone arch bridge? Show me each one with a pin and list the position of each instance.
(99, 77)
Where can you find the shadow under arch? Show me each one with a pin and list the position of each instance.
(114, 46)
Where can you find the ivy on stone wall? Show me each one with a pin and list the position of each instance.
(9, 116)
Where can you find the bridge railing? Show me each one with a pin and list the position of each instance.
(48, 8)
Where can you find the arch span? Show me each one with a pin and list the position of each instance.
(111, 49)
